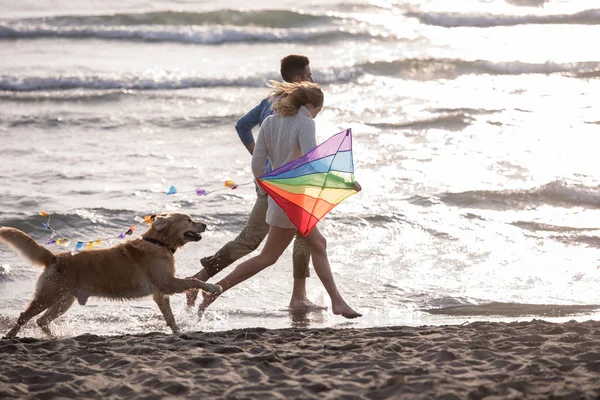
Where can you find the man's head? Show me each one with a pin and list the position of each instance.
(296, 68)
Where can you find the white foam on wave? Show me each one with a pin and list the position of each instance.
(447, 68)
(122, 80)
(274, 18)
(189, 34)
(575, 194)
(454, 20)
(4, 271)
(558, 193)
(151, 80)
(155, 79)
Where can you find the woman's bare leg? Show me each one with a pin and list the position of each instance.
(318, 250)
(278, 240)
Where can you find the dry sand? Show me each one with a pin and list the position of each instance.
(529, 360)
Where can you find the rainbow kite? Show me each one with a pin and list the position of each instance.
(311, 186)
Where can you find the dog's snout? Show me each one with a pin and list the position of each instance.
(203, 226)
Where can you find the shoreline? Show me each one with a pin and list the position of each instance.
(535, 359)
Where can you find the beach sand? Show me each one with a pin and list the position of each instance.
(491, 360)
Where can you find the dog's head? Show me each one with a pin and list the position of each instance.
(176, 229)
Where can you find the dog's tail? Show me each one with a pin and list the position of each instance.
(25, 245)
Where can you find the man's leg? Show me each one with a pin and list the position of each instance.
(301, 262)
(248, 240)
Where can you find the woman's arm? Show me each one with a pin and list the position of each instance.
(259, 156)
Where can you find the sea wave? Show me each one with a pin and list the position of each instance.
(257, 18)
(568, 235)
(516, 310)
(109, 95)
(115, 121)
(33, 224)
(539, 226)
(455, 20)
(590, 241)
(595, 73)
(414, 69)
(5, 272)
(151, 80)
(86, 224)
(451, 122)
(207, 35)
(17, 268)
(447, 68)
(571, 239)
(556, 193)
(159, 80)
(80, 225)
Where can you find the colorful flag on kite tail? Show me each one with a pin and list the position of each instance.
(311, 186)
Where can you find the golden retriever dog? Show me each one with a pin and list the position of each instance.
(133, 269)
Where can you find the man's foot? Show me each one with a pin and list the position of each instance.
(345, 311)
(304, 304)
(191, 295)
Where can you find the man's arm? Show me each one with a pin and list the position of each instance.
(245, 124)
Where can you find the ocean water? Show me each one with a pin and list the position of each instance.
(475, 128)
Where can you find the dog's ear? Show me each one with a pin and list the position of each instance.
(160, 222)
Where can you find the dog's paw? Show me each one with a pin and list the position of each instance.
(211, 288)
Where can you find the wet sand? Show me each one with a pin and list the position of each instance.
(533, 360)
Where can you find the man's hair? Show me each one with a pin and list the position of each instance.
(292, 66)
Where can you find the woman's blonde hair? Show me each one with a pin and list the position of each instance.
(288, 97)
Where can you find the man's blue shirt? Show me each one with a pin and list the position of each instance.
(254, 117)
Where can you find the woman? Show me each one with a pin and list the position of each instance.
(284, 137)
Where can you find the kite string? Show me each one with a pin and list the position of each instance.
(229, 184)
(64, 241)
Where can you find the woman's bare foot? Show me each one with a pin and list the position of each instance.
(345, 311)
(207, 300)
(304, 304)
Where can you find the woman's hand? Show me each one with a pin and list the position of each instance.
(357, 186)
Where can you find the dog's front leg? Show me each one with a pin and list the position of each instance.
(179, 285)
(164, 304)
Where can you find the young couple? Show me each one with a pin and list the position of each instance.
(287, 132)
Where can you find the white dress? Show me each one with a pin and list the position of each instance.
(282, 139)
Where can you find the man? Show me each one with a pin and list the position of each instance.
(294, 68)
